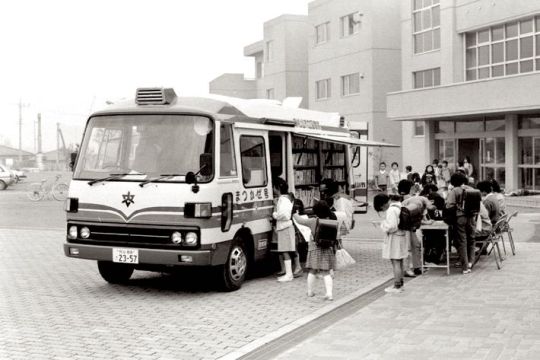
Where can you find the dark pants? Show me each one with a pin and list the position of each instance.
(464, 241)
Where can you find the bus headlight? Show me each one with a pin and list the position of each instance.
(191, 239)
(176, 237)
(85, 232)
(72, 232)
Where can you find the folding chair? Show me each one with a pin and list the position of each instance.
(508, 230)
(493, 238)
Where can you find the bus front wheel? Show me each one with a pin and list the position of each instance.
(233, 272)
(115, 273)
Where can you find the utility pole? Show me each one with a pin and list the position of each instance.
(39, 133)
(21, 105)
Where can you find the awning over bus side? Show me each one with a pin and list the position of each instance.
(348, 140)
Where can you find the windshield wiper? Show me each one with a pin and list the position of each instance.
(159, 178)
(113, 177)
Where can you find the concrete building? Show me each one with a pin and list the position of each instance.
(470, 71)
(343, 57)
(280, 61)
(354, 60)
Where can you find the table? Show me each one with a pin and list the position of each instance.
(437, 225)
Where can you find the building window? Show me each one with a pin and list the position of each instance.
(493, 157)
(426, 25)
(322, 33)
(503, 50)
(350, 84)
(350, 24)
(270, 94)
(323, 89)
(269, 51)
(446, 152)
(529, 122)
(252, 155)
(418, 128)
(427, 78)
(529, 162)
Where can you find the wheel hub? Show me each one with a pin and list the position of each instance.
(237, 263)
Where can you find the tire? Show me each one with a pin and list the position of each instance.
(60, 191)
(35, 195)
(3, 185)
(233, 272)
(115, 273)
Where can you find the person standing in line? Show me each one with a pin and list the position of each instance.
(319, 261)
(393, 178)
(381, 178)
(462, 225)
(407, 175)
(284, 229)
(435, 165)
(415, 247)
(341, 204)
(445, 172)
(396, 245)
(469, 169)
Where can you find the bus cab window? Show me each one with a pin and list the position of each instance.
(253, 161)
(227, 163)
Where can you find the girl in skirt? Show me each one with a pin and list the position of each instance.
(284, 229)
(396, 243)
(319, 261)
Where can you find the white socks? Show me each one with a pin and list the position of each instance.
(328, 284)
(310, 282)
(288, 272)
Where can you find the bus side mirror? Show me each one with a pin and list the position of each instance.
(205, 164)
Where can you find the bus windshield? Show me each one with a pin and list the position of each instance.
(153, 145)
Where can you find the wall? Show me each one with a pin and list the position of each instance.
(233, 85)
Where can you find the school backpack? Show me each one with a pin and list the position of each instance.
(410, 217)
(326, 233)
(470, 202)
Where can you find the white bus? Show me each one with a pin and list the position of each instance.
(166, 181)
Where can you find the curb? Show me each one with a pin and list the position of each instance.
(254, 345)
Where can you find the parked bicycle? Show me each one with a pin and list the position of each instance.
(58, 190)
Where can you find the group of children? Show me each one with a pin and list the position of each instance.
(292, 226)
(465, 228)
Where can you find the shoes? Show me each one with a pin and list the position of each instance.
(310, 294)
(281, 273)
(417, 271)
(285, 278)
(409, 273)
(328, 297)
(465, 272)
(393, 290)
(298, 273)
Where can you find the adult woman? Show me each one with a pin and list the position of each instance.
(469, 169)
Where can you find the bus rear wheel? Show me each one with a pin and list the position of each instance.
(233, 272)
(115, 273)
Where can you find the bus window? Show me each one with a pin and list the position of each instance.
(253, 161)
(276, 155)
(228, 162)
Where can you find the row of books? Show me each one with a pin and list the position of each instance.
(332, 146)
(308, 196)
(306, 159)
(302, 177)
(298, 143)
(335, 159)
(336, 174)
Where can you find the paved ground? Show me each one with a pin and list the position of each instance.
(489, 314)
(54, 307)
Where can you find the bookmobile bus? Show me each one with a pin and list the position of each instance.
(166, 181)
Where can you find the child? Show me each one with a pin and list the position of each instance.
(381, 178)
(319, 261)
(284, 227)
(396, 243)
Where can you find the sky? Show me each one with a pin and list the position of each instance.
(66, 59)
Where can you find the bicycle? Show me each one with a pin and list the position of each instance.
(58, 190)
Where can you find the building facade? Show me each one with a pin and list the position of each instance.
(343, 57)
(470, 69)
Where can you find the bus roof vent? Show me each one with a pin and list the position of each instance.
(155, 96)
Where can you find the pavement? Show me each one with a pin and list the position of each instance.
(488, 314)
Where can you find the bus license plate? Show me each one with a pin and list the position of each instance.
(126, 256)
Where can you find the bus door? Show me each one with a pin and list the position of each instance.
(278, 155)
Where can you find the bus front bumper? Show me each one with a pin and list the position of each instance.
(145, 256)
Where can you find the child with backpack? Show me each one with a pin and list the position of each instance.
(396, 242)
(320, 259)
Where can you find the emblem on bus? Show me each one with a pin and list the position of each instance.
(128, 199)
